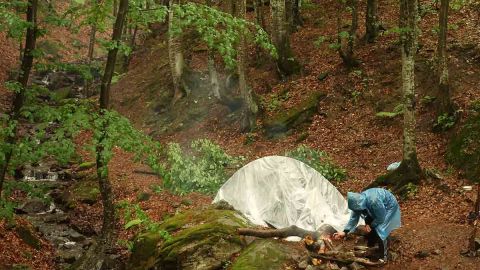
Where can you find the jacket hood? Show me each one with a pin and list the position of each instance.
(356, 201)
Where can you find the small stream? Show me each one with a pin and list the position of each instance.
(48, 218)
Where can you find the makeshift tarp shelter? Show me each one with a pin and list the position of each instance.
(282, 191)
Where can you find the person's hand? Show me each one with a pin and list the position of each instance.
(368, 229)
(339, 235)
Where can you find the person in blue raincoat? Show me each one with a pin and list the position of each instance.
(381, 212)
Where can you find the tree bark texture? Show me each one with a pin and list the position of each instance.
(346, 49)
(26, 66)
(250, 108)
(105, 186)
(286, 63)
(371, 23)
(289, 231)
(175, 55)
(259, 15)
(409, 19)
(445, 105)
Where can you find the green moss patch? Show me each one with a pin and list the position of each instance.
(464, 148)
(264, 254)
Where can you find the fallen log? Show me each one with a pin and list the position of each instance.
(323, 231)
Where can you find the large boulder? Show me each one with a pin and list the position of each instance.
(200, 239)
(266, 254)
(464, 148)
(285, 120)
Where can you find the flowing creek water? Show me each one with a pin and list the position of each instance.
(49, 219)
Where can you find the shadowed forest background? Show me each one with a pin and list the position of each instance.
(121, 119)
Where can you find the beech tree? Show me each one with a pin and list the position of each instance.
(20, 88)
(96, 256)
(445, 105)
(409, 171)
(250, 108)
(175, 53)
(371, 20)
(286, 63)
(346, 39)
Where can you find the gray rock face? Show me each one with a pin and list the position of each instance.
(33, 206)
(201, 240)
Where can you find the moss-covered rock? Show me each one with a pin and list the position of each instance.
(26, 234)
(201, 239)
(265, 254)
(464, 148)
(83, 191)
(283, 121)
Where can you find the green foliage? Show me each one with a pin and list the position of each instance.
(427, 99)
(205, 170)
(274, 101)
(219, 30)
(309, 5)
(475, 105)
(136, 219)
(319, 161)
(445, 122)
(7, 209)
(398, 110)
(11, 18)
(319, 41)
(411, 190)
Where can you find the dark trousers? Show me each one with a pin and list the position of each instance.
(373, 238)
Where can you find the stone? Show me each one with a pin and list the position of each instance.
(436, 252)
(33, 206)
(26, 234)
(264, 254)
(75, 236)
(322, 76)
(280, 123)
(200, 239)
(422, 254)
(303, 264)
(67, 256)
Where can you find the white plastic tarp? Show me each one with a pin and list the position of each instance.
(283, 191)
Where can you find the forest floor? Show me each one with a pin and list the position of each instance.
(433, 218)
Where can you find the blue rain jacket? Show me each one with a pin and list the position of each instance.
(380, 205)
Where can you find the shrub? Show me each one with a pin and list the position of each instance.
(320, 161)
(205, 170)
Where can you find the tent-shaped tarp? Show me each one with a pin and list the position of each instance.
(283, 191)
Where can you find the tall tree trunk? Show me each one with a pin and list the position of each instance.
(27, 62)
(250, 108)
(175, 55)
(289, 15)
(115, 8)
(91, 49)
(259, 15)
(212, 71)
(445, 105)
(346, 48)
(127, 58)
(95, 258)
(286, 63)
(409, 171)
(297, 16)
(409, 19)
(372, 20)
(102, 169)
